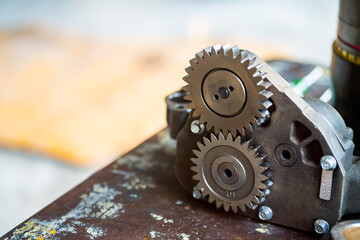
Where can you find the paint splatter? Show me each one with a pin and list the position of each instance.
(184, 236)
(263, 229)
(145, 153)
(161, 218)
(98, 203)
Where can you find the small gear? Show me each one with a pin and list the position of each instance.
(227, 89)
(230, 173)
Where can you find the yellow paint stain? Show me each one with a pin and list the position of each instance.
(52, 231)
(44, 229)
(40, 238)
(28, 225)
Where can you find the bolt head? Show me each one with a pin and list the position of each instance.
(196, 193)
(328, 163)
(321, 226)
(265, 213)
(196, 127)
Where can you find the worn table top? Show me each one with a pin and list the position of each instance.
(138, 197)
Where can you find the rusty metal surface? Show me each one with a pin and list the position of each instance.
(138, 197)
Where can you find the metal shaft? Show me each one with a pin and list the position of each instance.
(345, 67)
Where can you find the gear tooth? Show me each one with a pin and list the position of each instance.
(265, 95)
(188, 98)
(264, 192)
(196, 177)
(235, 51)
(211, 199)
(263, 75)
(194, 160)
(241, 131)
(248, 62)
(215, 49)
(229, 137)
(213, 137)
(193, 62)
(189, 70)
(186, 88)
(264, 83)
(244, 54)
(218, 204)
(225, 49)
(196, 152)
(265, 105)
(187, 78)
(226, 207)
(194, 169)
(206, 52)
(237, 141)
(191, 105)
(206, 141)
(242, 208)
(200, 146)
(221, 136)
(262, 114)
(196, 112)
(234, 208)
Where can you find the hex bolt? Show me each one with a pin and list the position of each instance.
(196, 193)
(265, 213)
(321, 226)
(328, 163)
(196, 127)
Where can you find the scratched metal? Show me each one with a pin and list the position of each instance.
(138, 197)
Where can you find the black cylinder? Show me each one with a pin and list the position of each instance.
(345, 67)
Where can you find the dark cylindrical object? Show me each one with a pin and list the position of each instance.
(345, 67)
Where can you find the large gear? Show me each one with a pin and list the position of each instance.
(232, 174)
(227, 90)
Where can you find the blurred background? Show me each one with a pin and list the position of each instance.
(82, 82)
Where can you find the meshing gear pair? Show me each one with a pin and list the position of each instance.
(229, 94)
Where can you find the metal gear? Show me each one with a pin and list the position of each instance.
(227, 89)
(230, 173)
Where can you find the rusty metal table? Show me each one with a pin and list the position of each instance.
(138, 197)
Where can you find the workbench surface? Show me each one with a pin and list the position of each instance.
(138, 197)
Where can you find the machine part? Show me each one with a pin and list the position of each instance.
(176, 112)
(196, 193)
(230, 173)
(328, 163)
(346, 230)
(265, 213)
(227, 90)
(196, 127)
(345, 66)
(306, 128)
(285, 155)
(321, 226)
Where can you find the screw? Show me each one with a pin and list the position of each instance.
(196, 193)
(265, 213)
(328, 162)
(321, 226)
(196, 127)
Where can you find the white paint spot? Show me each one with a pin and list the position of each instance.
(159, 218)
(184, 236)
(263, 229)
(94, 232)
(179, 202)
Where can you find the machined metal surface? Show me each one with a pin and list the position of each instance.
(294, 135)
(346, 230)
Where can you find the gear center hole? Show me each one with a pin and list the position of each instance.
(285, 155)
(228, 173)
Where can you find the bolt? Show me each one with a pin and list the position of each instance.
(196, 127)
(265, 213)
(223, 93)
(328, 163)
(196, 193)
(321, 226)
